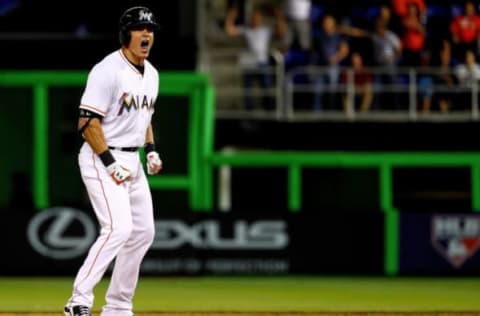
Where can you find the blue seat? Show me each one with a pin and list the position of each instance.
(438, 11)
(372, 12)
(456, 10)
(296, 57)
(317, 12)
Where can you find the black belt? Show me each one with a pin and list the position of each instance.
(124, 148)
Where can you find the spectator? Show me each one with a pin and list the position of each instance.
(362, 80)
(240, 6)
(330, 49)
(385, 13)
(297, 13)
(468, 72)
(255, 62)
(400, 11)
(400, 7)
(425, 84)
(468, 75)
(444, 79)
(413, 37)
(465, 31)
(387, 50)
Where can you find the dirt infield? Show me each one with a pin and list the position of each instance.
(271, 314)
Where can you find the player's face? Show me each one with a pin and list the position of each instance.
(141, 41)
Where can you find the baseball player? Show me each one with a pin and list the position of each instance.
(115, 120)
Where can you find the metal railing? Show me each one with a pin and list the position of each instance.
(293, 93)
(404, 86)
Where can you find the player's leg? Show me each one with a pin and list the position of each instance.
(111, 205)
(127, 264)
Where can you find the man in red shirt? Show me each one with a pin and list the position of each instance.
(465, 31)
(413, 37)
(400, 7)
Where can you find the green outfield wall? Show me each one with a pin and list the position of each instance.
(36, 105)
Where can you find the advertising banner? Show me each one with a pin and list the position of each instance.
(55, 241)
(440, 243)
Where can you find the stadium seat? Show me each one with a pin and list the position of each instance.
(455, 10)
(317, 12)
(296, 57)
(440, 11)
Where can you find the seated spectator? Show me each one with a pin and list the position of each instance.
(413, 37)
(465, 31)
(330, 49)
(468, 75)
(362, 79)
(443, 79)
(255, 62)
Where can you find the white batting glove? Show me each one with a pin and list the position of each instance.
(154, 163)
(118, 172)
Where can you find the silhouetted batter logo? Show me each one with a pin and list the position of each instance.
(456, 237)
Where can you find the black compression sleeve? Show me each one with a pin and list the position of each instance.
(107, 158)
(149, 147)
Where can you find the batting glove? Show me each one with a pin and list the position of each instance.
(118, 172)
(154, 163)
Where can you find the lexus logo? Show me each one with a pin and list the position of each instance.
(61, 233)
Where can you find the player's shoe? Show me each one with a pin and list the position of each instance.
(78, 310)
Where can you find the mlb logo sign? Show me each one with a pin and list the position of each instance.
(456, 237)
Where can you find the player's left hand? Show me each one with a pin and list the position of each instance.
(154, 163)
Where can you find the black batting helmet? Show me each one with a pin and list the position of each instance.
(133, 17)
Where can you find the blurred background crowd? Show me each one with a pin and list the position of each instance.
(381, 41)
(351, 50)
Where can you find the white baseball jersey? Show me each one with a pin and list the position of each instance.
(124, 97)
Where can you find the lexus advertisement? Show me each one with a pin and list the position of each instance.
(55, 241)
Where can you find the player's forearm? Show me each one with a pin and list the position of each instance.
(149, 135)
(149, 141)
(93, 135)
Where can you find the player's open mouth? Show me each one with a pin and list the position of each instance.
(144, 44)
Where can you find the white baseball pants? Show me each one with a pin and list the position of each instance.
(125, 215)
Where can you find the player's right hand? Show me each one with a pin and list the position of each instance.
(154, 163)
(118, 172)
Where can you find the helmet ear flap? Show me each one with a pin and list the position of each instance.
(124, 36)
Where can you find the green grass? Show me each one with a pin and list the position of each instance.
(260, 294)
